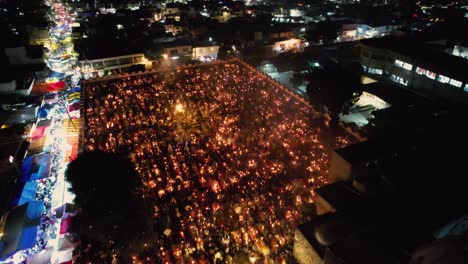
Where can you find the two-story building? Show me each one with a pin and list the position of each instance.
(416, 66)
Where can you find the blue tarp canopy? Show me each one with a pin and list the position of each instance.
(21, 228)
(34, 210)
(43, 171)
(26, 167)
(54, 74)
(43, 112)
(76, 89)
(28, 193)
(35, 167)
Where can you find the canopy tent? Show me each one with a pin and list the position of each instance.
(63, 254)
(76, 89)
(42, 257)
(35, 167)
(72, 126)
(39, 145)
(26, 167)
(36, 146)
(64, 211)
(51, 98)
(56, 86)
(73, 98)
(44, 123)
(41, 129)
(43, 172)
(65, 225)
(21, 228)
(75, 94)
(74, 107)
(44, 111)
(57, 75)
(62, 195)
(39, 132)
(72, 153)
(39, 88)
(26, 194)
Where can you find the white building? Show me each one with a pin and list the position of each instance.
(175, 52)
(173, 28)
(100, 67)
(460, 51)
(367, 31)
(288, 45)
(207, 53)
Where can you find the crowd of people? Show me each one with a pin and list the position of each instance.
(227, 158)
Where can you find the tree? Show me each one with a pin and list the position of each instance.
(226, 52)
(332, 89)
(112, 212)
(136, 68)
(325, 32)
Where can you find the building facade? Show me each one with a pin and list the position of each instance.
(205, 53)
(100, 67)
(413, 66)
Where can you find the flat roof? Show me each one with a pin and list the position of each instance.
(394, 95)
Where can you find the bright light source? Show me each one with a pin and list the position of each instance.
(179, 108)
(210, 39)
(11, 159)
(165, 56)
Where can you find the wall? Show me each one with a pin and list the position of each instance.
(340, 169)
(92, 67)
(185, 50)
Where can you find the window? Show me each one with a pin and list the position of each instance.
(443, 79)
(455, 83)
(431, 75)
(375, 71)
(403, 65)
(421, 71)
(399, 63)
(427, 73)
(399, 80)
(466, 88)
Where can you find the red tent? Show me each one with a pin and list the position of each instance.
(64, 225)
(56, 86)
(39, 132)
(39, 88)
